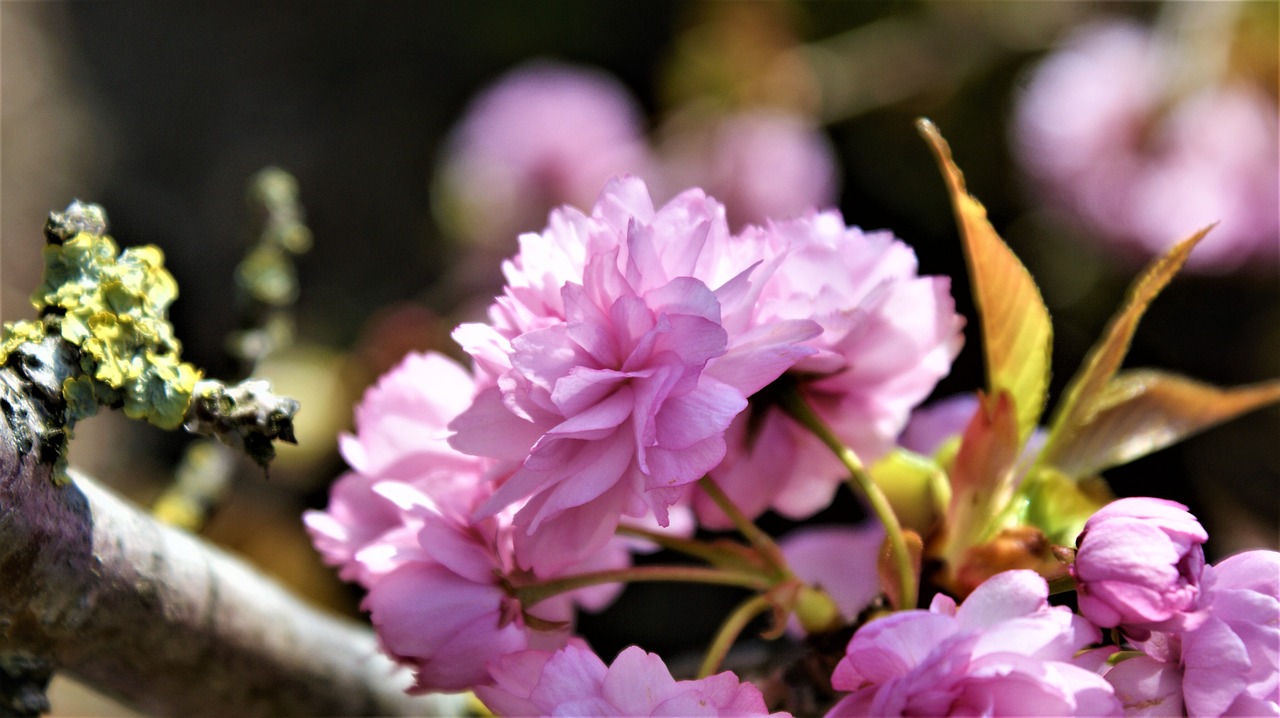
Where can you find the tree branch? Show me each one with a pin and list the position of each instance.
(153, 615)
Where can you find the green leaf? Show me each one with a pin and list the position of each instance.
(916, 487)
(1017, 334)
(1143, 411)
(1104, 359)
(1059, 505)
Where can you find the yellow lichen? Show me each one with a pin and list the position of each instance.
(18, 333)
(114, 306)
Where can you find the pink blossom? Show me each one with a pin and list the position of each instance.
(448, 615)
(449, 611)
(447, 608)
(1123, 144)
(614, 371)
(400, 437)
(575, 682)
(1138, 566)
(888, 336)
(400, 524)
(542, 135)
(1146, 686)
(762, 164)
(1005, 651)
(1228, 663)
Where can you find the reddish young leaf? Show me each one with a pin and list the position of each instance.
(983, 473)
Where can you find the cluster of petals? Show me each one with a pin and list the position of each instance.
(399, 449)
(627, 342)
(1117, 140)
(1231, 661)
(1139, 567)
(1227, 664)
(400, 524)
(575, 682)
(1003, 652)
(888, 336)
(614, 372)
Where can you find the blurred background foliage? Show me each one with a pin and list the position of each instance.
(162, 112)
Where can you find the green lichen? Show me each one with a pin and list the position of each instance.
(103, 338)
(114, 306)
(15, 334)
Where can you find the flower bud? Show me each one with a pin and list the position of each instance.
(817, 610)
(1138, 567)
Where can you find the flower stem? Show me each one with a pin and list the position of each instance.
(762, 542)
(795, 405)
(531, 593)
(688, 547)
(729, 632)
(1062, 584)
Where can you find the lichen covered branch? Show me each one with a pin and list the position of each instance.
(106, 314)
(243, 416)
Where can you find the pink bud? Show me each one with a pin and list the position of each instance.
(1139, 565)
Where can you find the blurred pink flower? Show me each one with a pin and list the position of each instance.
(542, 135)
(762, 164)
(615, 374)
(888, 336)
(574, 681)
(1111, 144)
(933, 424)
(1139, 567)
(1004, 652)
(838, 559)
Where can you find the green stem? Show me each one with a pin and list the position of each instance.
(729, 632)
(1062, 584)
(760, 540)
(531, 593)
(794, 404)
(689, 547)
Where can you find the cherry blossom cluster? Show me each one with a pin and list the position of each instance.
(625, 360)
(1194, 638)
(647, 372)
(1184, 638)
